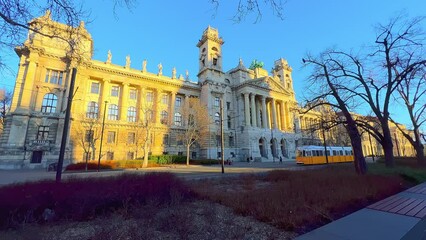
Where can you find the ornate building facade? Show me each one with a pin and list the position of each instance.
(258, 107)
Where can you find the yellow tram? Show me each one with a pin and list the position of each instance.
(316, 155)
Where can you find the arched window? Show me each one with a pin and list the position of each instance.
(164, 117)
(178, 119)
(217, 118)
(191, 120)
(113, 112)
(49, 103)
(214, 49)
(92, 110)
(131, 114)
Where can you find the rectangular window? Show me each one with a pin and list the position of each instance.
(89, 135)
(133, 94)
(193, 155)
(229, 121)
(214, 61)
(166, 139)
(94, 88)
(150, 97)
(231, 141)
(115, 91)
(165, 99)
(110, 156)
(216, 101)
(180, 153)
(111, 137)
(228, 105)
(178, 101)
(130, 155)
(131, 136)
(54, 76)
(43, 133)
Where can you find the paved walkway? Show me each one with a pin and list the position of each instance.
(402, 216)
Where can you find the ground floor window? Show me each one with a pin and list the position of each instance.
(194, 155)
(110, 156)
(180, 153)
(130, 155)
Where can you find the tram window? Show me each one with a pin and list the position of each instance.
(334, 152)
(321, 153)
(328, 152)
(341, 152)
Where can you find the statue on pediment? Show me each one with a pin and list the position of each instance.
(109, 57)
(128, 61)
(174, 72)
(144, 65)
(160, 69)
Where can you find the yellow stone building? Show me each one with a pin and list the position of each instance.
(258, 106)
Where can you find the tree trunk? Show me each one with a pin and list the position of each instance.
(387, 145)
(187, 154)
(420, 154)
(359, 159)
(145, 156)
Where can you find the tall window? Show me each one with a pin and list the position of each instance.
(217, 118)
(88, 137)
(130, 155)
(229, 121)
(164, 117)
(110, 155)
(43, 133)
(131, 136)
(115, 91)
(111, 137)
(166, 139)
(133, 94)
(178, 119)
(150, 97)
(178, 101)
(131, 114)
(165, 99)
(228, 105)
(49, 103)
(113, 112)
(54, 76)
(231, 141)
(149, 116)
(191, 120)
(92, 110)
(94, 88)
(216, 101)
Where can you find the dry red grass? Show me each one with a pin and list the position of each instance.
(300, 200)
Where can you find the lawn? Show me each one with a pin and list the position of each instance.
(278, 204)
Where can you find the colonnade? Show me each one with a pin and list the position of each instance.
(262, 111)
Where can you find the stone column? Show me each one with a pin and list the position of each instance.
(172, 107)
(265, 124)
(283, 117)
(253, 110)
(26, 95)
(259, 125)
(124, 102)
(274, 114)
(246, 109)
(184, 118)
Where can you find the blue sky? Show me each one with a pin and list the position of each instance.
(167, 32)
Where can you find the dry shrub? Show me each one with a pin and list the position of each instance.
(301, 200)
(82, 199)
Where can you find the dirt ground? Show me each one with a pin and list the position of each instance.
(192, 220)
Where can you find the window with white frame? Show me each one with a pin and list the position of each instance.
(178, 101)
(94, 88)
(178, 119)
(150, 97)
(164, 117)
(113, 112)
(115, 91)
(133, 94)
(131, 114)
(216, 101)
(54, 76)
(92, 110)
(165, 99)
(111, 137)
(49, 103)
(43, 132)
(217, 118)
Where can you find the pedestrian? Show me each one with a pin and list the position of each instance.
(281, 159)
(248, 160)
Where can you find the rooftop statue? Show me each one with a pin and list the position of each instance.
(256, 64)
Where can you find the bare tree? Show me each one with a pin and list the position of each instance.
(5, 100)
(256, 7)
(86, 132)
(412, 93)
(328, 90)
(197, 120)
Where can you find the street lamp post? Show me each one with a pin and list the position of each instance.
(102, 137)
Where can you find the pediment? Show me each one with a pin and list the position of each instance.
(268, 83)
